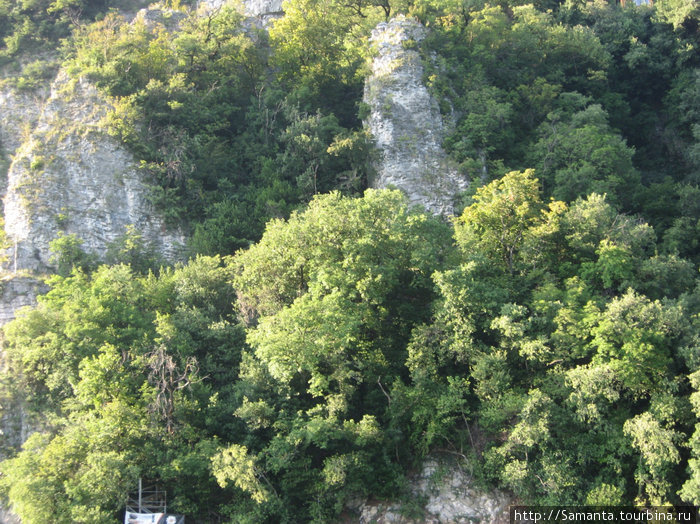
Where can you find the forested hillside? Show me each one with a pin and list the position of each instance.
(325, 337)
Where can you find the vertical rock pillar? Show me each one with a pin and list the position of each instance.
(405, 121)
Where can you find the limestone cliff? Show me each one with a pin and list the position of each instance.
(61, 173)
(19, 113)
(262, 9)
(405, 121)
(69, 176)
(443, 493)
(17, 291)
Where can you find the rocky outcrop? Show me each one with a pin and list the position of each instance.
(444, 494)
(265, 10)
(7, 517)
(17, 291)
(405, 121)
(19, 112)
(69, 176)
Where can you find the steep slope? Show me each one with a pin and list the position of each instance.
(61, 173)
(405, 121)
(70, 177)
(66, 175)
(19, 113)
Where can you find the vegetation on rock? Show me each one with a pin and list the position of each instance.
(548, 335)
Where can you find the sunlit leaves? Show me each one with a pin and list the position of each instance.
(497, 222)
(234, 465)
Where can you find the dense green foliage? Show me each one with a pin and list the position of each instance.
(30, 31)
(150, 375)
(29, 25)
(595, 97)
(370, 341)
(130, 376)
(548, 336)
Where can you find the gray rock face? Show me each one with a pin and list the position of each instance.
(258, 8)
(451, 498)
(17, 292)
(19, 113)
(7, 517)
(263, 7)
(70, 176)
(405, 121)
